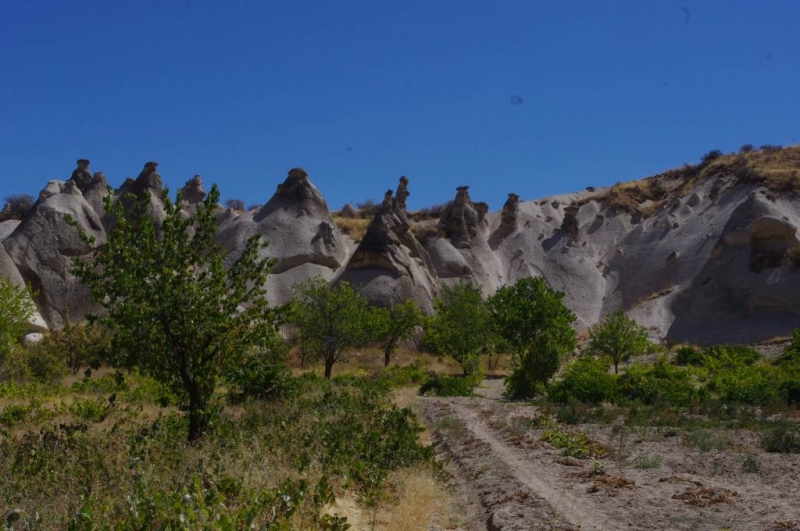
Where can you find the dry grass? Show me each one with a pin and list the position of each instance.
(356, 228)
(776, 169)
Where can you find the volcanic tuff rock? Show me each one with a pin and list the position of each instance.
(43, 246)
(390, 265)
(706, 253)
(302, 235)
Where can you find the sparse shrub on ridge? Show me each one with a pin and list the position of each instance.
(16, 207)
(711, 156)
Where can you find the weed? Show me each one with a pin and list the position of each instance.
(703, 440)
(783, 438)
(573, 443)
(751, 465)
(648, 461)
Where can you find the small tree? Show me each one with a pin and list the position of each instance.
(618, 337)
(460, 326)
(176, 313)
(396, 324)
(16, 309)
(329, 319)
(537, 327)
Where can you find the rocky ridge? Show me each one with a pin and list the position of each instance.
(706, 253)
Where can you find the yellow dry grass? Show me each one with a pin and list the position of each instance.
(356, 228)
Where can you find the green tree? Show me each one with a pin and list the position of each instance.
(460, 326)
(175, 312)
(537, 328)
(396, 324)
(618, 337)
(16, 309)
(329, 320)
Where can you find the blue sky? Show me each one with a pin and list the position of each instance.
(520, 96)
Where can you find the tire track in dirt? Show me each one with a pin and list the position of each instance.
(570, 506)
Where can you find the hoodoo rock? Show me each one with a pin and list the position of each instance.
(193, 191)
(704, 254)
(302, 235)
(390, 265)
(459, 221)
(81, 176)
(43, 247)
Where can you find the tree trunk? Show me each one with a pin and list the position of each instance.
(198, 414)
(387, 354)
(328, 366)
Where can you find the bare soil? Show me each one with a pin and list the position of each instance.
(649, 479)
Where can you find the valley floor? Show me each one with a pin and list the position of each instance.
(644, 478)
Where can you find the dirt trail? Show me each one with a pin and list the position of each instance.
(534, 477)
(652, 479)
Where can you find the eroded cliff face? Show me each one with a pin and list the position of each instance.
(704, 254)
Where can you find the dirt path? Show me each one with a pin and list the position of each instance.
(534, 477)
(653, 479)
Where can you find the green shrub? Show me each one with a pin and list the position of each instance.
(790, 391)
(90, 410)
(573, 443)
(657, 383)
(396, 376)
(587, 380)
(783, 438)
(647, 461)
(730, 357)
(14, 414)
(688, 356)
(43, 363)
(450, 385)
(260, 378)
(754, 385)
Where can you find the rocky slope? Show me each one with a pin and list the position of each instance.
(705, 253)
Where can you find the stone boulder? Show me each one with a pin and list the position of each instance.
(460, 220)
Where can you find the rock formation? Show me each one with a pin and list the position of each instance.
(459, 221)
(390, 265)
(44, 245)
(302, 235)
(193, 191)
(81, 176)
(706, 255)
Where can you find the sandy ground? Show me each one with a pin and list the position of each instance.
(652, 479)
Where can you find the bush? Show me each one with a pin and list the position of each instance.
(688, 356)
(618, 337)
(235, 204)
(711, 156)
(730, 357)
(16, 207)
(260, 378)
(16, 309)
(450, 385)
(657, 383)
(783, 439)
(754, 385)
(587, 380)
(746, 148)
(396, 376)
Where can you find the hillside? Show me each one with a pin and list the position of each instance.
(706, 253)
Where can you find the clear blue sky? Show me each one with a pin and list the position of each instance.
(526, 96)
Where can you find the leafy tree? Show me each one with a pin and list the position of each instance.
(329, 319)
(460, 326)
(396, 324)
(537, 328)
(175, 312)
(16, 309)
(618, 337)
